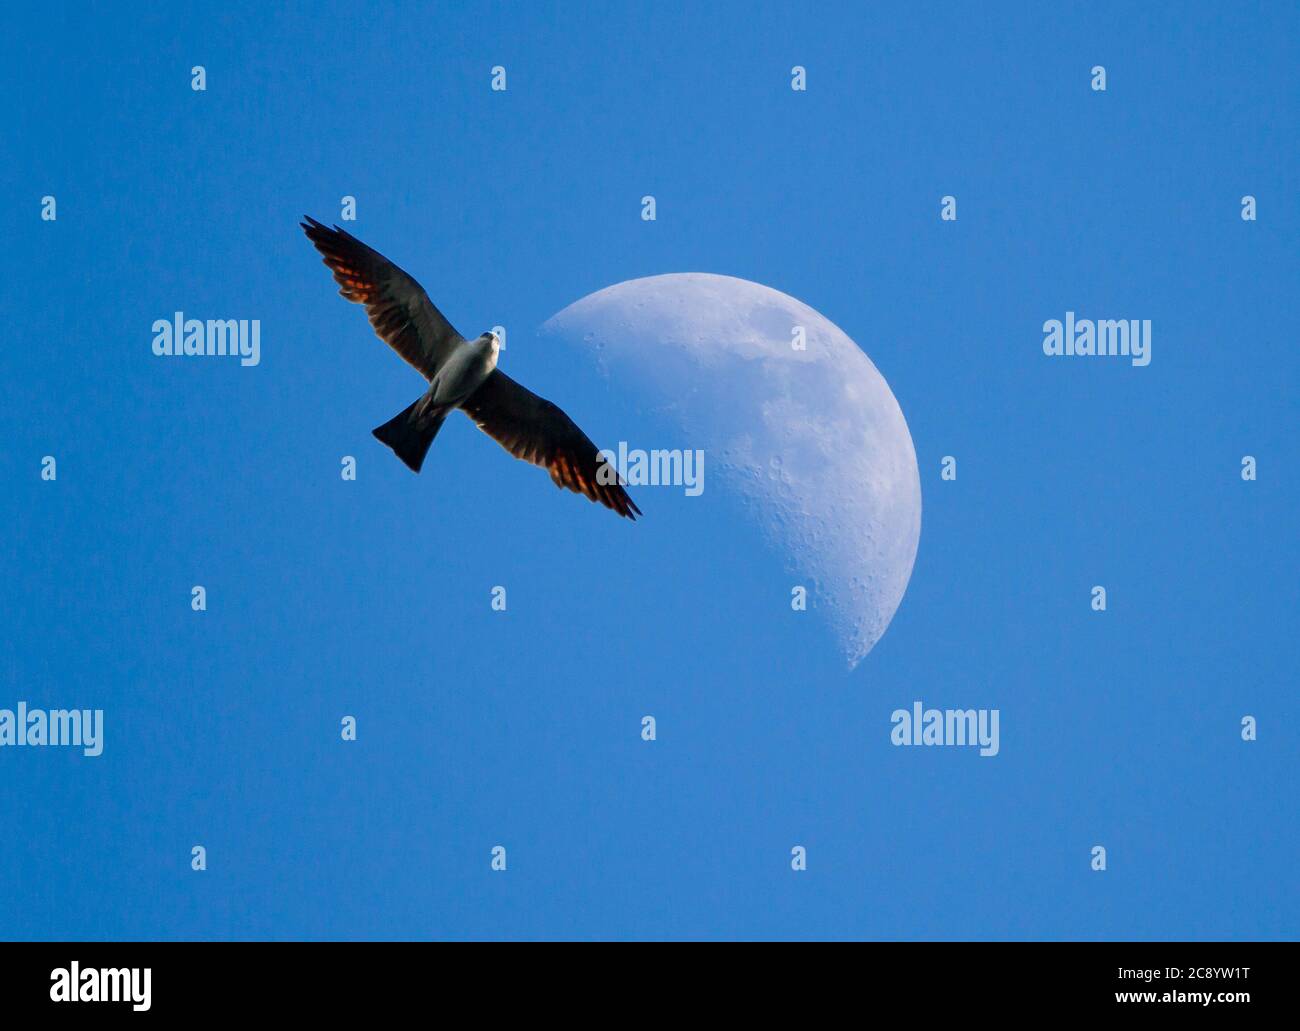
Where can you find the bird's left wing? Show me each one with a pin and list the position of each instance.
(399, 309)
(533, 429)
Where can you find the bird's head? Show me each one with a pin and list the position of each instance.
(492, 342)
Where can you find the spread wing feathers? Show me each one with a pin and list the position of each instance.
(532, 428)
(399, 309)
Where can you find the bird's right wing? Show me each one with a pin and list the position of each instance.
(533, 429)
(399, 309)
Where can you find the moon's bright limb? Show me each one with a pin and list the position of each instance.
(812, 439)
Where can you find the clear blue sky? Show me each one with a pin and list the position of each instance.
(371, 598)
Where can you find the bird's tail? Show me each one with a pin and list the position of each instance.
(411, 432)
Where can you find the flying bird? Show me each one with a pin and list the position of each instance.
(462, 374)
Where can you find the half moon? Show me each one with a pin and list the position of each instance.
(791, 413)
